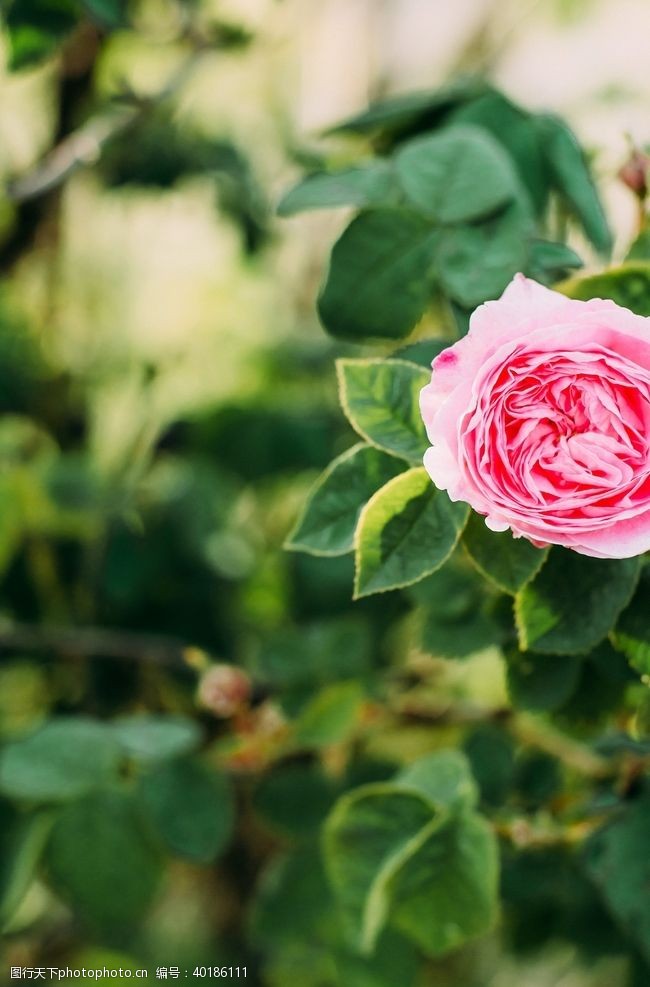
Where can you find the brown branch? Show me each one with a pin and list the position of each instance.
(100, 642)
(84, 146)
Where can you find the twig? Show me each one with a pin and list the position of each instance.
(84, 146)
(99, 642)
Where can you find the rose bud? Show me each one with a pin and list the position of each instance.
(634, 173)
(539, 419)
(224, 690)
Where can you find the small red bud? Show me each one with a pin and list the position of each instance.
(224, 690)
(634, 173)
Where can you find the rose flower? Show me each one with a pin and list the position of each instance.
(539, 419)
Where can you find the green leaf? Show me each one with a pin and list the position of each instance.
(37, 27)
(640, 248)
(446, 893)
(109, 13)
(617, 860)
(330, 716)
(541, 682)
(572, 178)
(508, 562)
(475, 263)
(64, 759)
(295, 798)
(410, 109)
(573, 602)
(412, 854)
(150, 737)
(329, 518)
(516, 132)
(631, 635)
(423, 352)
(380, 276)
(407, 530)
(369, 185)
(550, 260)
(22, 840)
(310, 655)
(444, 777)
(101, 861)
(190, 807)
(440, 174)
(627, 285)
(368, 837)
(381, 401)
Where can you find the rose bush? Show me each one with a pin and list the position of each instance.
(539, 419)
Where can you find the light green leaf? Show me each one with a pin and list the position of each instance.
(407, 530)
(373, 184)
(329, 518)
(541, 682)
(444, 777)
(330, 716)
(572, 178)
(64, 759)
(412, 854)
(573, 602)
(368, 837)
(150, 737)
(446, 893)
(475, 263)
(457, 175)
(381, 401)
(627, 285)
(101, 862)
(190, 807)
(508, 562)
(380, 276)
(22, 840)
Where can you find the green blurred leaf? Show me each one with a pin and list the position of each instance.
(190, 807)
(439, 175)
(109, 13)
(381, 401)
(64, 759)
(631, 635)
(508, 562)
(295, 798)
(640, 248)
(540, 682)
(151, 737)
(330, 716)
(380, 276)
(101, 861)
(22, 840)
(627, 285)
(372, 184)
(444, 777)
(329, 518)
(394, 856)
(572, 179)
(423, 352)
(616, 858)
(407, 530)
(491, 753)
(475, 263)
(308, 656)
(550, 261)
(569, 584)
(37, 28)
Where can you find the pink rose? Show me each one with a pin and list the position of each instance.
(540, 420)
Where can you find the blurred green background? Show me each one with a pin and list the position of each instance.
(167, 398)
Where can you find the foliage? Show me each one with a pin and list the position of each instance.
(400, 788)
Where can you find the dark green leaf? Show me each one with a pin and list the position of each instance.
(439, 172)
(475, 263)
(150, 737)
(549, 261)
(373, 184)
(541, 682)
(22, 840)
(570, 584)
(508, 562)
(295, 798)
(407, 530)
(329, 518)
(632, 632)
(190, 807)
(101, 861)
(572, 178)
(381, 401)
(380, 276)
(423, 352)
